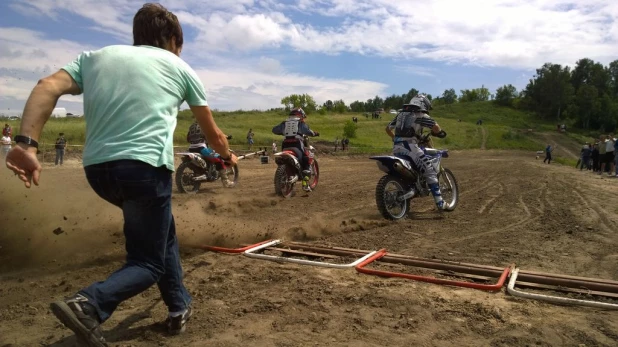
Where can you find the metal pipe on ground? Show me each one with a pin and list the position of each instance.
(480, 270)
(554, 299)
(594, 284)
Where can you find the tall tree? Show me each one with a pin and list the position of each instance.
(587, 71)
(358, 106)
(506, 94)
(328, 105)
(339, 106)
(613, 77)
(411, 93)
(587, 104)
(550, 91)
(449, 96)
(305, 101)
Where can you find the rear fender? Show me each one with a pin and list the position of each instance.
(195, 158)
(386, 162)
(287, 158)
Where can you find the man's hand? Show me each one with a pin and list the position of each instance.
(232, 160)
(23, 162)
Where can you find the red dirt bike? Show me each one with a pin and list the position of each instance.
(196, 169)
(289, 170)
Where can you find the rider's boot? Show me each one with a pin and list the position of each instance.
(437, 196)
(227, 183)
(306, 174)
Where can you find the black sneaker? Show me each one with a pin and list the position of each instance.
(81, 317)
(177, 325)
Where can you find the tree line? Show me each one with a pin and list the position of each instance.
(586, 95)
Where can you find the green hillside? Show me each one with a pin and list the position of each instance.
(502, 128)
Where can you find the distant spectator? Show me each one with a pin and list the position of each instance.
(602, 152)
(274, 145)
(548, 151)
(6, 145)
(61, 145)
(250, 135)
(616, 156)
(586, 152)
(346, 142)
(7, 131)
(609, 155)
(595, 157)
(336, 143)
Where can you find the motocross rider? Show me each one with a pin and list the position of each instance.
(408, 126)
(198, 144)
(293, 129)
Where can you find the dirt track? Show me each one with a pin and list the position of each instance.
(513, 209)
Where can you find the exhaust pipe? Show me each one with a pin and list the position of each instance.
(403, 170)
(199, 178)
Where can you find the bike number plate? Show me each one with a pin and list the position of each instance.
(291, 128)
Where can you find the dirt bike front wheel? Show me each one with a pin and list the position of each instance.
(184, 178)
(449, 189)
(315, 175)
(388, 190)
(283, 187)
(232, 174)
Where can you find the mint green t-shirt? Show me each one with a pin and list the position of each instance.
(131, 100)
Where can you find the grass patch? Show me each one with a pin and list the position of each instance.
(505, 128)
(565, 161)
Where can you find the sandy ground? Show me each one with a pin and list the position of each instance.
(513, 209)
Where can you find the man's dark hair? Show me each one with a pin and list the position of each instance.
(154, 25)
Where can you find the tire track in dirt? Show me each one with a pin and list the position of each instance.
(600, 213)
(489, 203)
(526, 220)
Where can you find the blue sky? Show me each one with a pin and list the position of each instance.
(251, 53)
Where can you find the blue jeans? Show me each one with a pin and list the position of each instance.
(144, 193)
(59, 155)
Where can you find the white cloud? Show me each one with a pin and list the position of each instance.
(236, 87)
(230, 34)
(520, 34)
(260, 83)
(417, 70)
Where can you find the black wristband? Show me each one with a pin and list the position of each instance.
(27, 140)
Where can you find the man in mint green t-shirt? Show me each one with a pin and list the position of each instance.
(131, 99)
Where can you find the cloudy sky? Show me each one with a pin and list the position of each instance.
(251, 53)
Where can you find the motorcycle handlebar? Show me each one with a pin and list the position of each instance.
(441, 135)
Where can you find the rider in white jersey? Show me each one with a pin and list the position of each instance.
(293, 129)
(406, 130)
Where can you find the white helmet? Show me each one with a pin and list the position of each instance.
(419, 103)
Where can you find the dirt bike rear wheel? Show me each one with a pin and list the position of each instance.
(386, 199)
(315, 170)
(449, 189)
(184, 174)
(282, 186)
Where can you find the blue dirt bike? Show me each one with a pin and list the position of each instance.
(403, 182)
